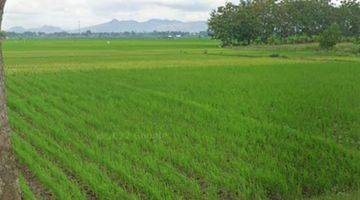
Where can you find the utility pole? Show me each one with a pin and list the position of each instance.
(79, 28)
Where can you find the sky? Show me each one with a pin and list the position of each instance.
(68, 13)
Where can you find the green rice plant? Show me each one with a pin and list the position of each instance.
(141, 119)
(27, 193)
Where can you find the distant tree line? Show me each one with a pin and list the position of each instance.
(283, 21)
(89, 34)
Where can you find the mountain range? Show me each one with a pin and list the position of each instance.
(43, 29)
(117, 26)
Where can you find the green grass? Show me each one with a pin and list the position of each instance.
(339, 196)
(183, 119)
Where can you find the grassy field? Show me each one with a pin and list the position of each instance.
(183, 119)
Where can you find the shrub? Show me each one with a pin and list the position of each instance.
(299, 39)
(357, 40)
(291, 39)
(316, 38)
(257, 40)
(275, 40)
(330, 36)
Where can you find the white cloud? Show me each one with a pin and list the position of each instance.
(67, 13)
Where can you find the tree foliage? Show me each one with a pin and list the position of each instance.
(268, 20)
(330, 36)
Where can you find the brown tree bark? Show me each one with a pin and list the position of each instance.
(9, 182)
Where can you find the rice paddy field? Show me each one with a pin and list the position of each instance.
(183, 119)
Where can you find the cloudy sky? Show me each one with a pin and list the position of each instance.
(67, 13)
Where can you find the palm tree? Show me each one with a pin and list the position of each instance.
(9, 186)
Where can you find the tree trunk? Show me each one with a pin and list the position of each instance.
(9, 184)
